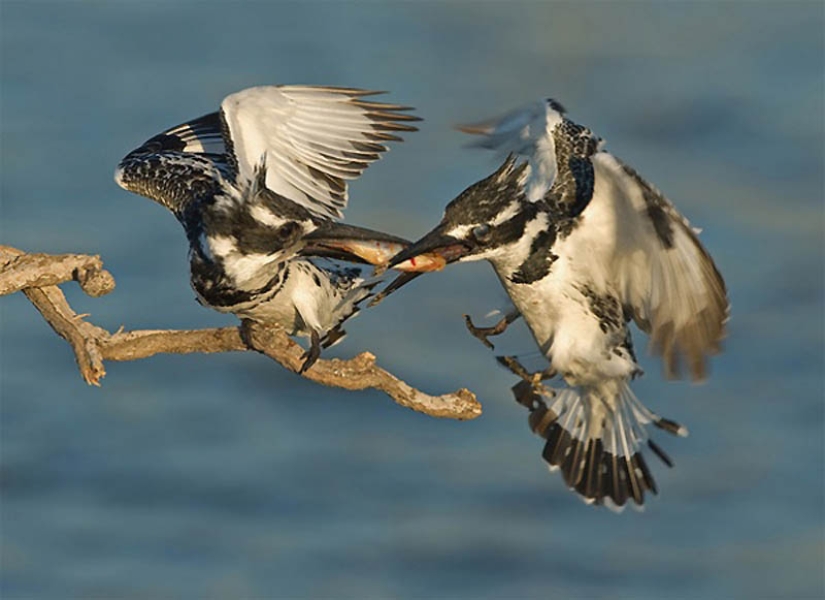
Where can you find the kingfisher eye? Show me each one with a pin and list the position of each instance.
(482, 233)
(287, 230)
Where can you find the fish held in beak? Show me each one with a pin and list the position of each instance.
(433, 252)
(357, 244)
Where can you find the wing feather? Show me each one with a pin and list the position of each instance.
(200, 136)
(525, 132)
(181, 163)
(668, 281)
(312, 139)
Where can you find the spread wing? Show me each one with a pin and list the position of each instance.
(667, 279)
(181, 163)
(311, 139)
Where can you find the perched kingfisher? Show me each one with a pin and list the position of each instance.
(583, 245)
(257, 187)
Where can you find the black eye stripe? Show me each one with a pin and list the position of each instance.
(514, 228)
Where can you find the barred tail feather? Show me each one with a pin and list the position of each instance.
(596, 442)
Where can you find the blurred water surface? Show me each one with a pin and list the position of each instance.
(225, 476)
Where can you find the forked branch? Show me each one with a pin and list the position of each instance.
(37, 276)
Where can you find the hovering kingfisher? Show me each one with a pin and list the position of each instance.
(258, 187)
(583, 245)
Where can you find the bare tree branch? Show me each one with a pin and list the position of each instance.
(21, 271)
(36, 275)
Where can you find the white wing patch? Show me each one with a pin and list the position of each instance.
(245, 270)
(264, 215)
(312, 139)
(664, 274)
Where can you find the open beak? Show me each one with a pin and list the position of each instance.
(431, 253)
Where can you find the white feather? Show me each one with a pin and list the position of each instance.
(526, 132)
(676, 294)
(246, 270)
(313, 140)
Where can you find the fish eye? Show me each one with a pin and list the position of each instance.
(482, 233)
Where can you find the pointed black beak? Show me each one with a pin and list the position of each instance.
(431, 253)
(354, 244)
(333, 231)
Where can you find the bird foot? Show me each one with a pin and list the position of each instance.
(534, 380)
(313, 354)
(482, 333)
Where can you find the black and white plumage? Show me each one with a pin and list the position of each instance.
(258, 185)
(583, 245)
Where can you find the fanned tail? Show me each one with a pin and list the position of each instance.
(596, 442)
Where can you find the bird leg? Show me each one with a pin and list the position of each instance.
(482, 333)
(533, 379)
(314, 352)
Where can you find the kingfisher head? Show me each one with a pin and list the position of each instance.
(489, 220)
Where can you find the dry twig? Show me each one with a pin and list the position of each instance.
(37, 276)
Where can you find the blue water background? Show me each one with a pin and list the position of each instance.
(226, 476)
